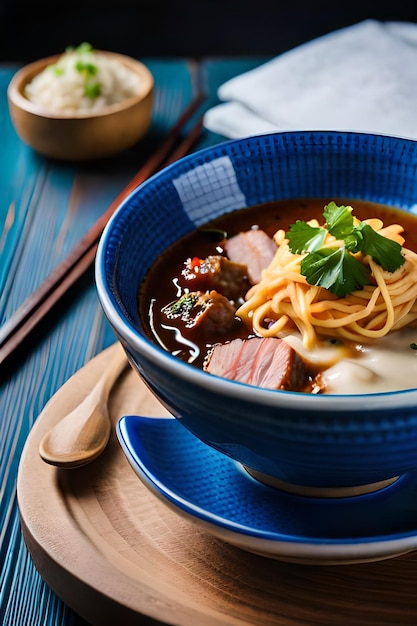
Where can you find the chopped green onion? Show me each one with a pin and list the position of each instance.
(92, 90)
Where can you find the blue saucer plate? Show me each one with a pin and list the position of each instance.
(220, 496)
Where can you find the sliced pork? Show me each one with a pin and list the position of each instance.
(217, 273)
(265, 362)
(255, 249)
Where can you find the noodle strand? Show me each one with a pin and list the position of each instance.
(283, 301)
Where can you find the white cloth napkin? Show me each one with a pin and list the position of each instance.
(359, 78)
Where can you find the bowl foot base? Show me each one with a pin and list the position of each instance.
(319, 492)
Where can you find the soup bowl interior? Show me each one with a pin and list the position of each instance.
(322, 441)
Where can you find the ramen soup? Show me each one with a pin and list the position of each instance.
(316, 296)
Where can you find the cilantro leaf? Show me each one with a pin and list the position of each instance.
(385, 252)
(339, 220)
(305, 238)
(335, 269)
(353, 242)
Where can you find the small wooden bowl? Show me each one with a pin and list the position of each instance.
(86, 135)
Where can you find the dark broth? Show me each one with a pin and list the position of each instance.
(159, 288)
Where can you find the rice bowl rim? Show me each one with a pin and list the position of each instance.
(25, 74)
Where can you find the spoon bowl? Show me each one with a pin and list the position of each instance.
(82, 435)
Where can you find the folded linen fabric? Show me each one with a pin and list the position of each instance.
(359, 78)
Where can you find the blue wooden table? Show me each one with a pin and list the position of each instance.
(45, 208)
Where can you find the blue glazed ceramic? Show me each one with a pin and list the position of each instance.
(214, 492)
(326, 441)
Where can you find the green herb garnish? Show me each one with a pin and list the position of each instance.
(336, 268)
(92, 90)
(81, 49)
(88, 69)
(84, 66)
(413, 346)
(181, 307)
(305, 238)
(385, 252)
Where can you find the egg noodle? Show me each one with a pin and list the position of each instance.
(283, 302)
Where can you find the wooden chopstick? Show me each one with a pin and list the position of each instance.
(45, 305)
(81, 257)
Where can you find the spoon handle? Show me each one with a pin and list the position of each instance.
(110, 375)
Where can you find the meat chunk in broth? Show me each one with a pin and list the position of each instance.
(265, 362)
(217, 273)
(209, 311)
(254, 248)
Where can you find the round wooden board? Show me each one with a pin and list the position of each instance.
(118, 555)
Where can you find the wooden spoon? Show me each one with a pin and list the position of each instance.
(81, 435)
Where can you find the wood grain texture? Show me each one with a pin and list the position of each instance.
(117, 554)
(80, 259)
(45, 208)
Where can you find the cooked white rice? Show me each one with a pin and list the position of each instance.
(66, 87)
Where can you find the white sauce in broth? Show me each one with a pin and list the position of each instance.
(388, 364)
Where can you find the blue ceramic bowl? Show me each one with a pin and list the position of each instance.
(313, 441)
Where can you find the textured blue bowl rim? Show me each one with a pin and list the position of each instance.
(381, 401)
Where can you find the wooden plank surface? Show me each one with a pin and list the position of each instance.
(118, 555)
(45, 207)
